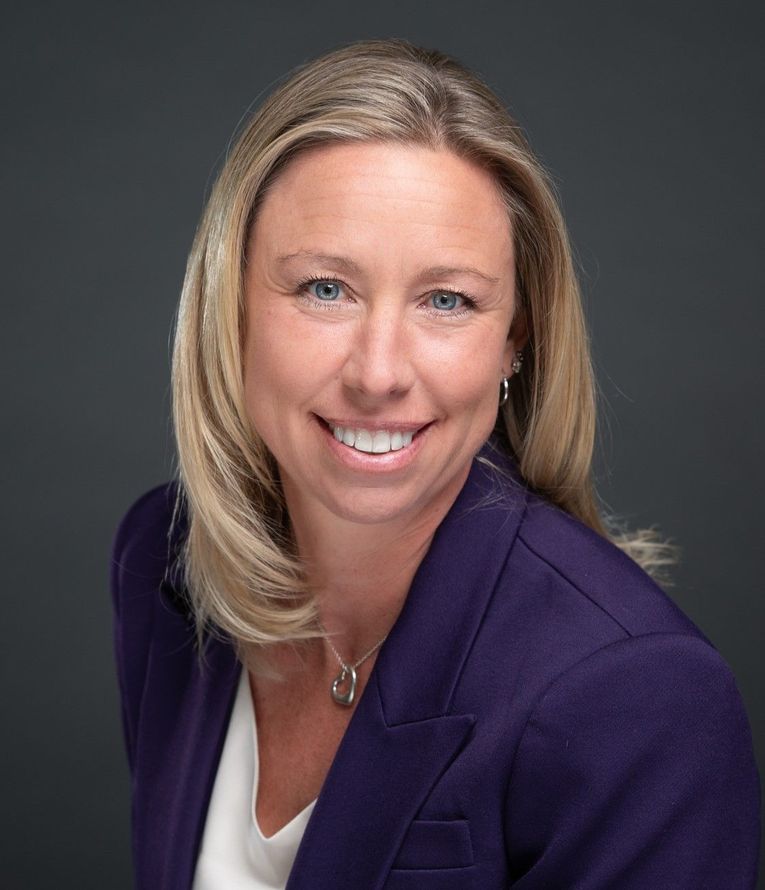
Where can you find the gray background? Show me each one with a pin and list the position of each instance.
(649, 116)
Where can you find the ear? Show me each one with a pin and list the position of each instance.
(516, 339)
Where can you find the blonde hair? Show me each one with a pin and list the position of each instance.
(240, 569)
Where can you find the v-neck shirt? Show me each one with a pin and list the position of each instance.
(234, 853)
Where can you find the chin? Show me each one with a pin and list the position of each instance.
(369, 506)
(366, 509)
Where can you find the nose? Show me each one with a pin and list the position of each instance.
(380, 357)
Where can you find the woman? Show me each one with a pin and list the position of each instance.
(377, 634)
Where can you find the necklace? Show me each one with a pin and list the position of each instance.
(346, 698)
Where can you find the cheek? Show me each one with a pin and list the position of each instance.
(467, 375)
(285, 361)
(266, 372)
(269, 350)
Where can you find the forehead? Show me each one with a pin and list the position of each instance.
(382, 201)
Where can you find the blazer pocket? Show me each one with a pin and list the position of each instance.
(435, 844)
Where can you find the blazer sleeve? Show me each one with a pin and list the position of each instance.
(138, 564)
(636, 770)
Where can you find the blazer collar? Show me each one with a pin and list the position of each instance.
(404, 731)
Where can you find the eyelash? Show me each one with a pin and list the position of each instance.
(469, 302)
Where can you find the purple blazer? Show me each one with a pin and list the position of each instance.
(541, 715)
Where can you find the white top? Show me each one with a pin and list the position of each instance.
(234, 855)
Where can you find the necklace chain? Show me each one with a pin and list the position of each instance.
(361, 660)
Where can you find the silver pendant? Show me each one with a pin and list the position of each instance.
(345, 698)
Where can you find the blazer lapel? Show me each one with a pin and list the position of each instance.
(404, 733)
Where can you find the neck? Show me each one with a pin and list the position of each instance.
(362, 572)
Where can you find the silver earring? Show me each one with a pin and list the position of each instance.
(505, 391)
(517, 362)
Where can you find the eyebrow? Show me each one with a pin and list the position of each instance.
(344, 264)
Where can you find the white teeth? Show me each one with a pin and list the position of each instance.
(381, 442)
(363, 441)
(372, 442)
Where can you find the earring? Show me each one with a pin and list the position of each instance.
(516, 365)
(505, 391)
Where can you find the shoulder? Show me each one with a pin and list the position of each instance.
(621, 641)
(594, 576)
(146, 543)
(149, 513)
(141, 559)
(571, 601)
(631, 717)
(563, 590)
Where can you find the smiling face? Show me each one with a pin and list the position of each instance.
(375, 383)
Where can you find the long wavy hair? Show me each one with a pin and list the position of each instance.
(240, 569)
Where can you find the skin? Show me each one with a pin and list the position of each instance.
(382, 352)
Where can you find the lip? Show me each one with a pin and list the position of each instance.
(387, 426)
(368, 463)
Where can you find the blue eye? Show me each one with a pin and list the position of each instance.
(324, 291)
(445, 300)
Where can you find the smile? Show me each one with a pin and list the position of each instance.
(372, 441)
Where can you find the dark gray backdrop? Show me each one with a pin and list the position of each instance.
(649, 116)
